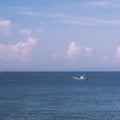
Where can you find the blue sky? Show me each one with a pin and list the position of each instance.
(62, 35)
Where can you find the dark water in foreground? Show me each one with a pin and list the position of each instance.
(55, 96)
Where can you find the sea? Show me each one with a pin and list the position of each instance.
(56, 96)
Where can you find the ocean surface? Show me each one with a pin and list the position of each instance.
(55, 96)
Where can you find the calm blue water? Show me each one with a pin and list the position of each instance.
(55, 96)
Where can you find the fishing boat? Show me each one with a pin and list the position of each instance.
(82, 77)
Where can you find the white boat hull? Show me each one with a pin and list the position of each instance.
(80, 78)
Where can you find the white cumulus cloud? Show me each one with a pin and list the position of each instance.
(73, 50)
(19, 51)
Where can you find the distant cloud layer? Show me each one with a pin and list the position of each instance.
(73, 20)
(90, 21)
(19, 51)
(102, 3)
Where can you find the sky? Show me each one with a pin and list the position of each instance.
(60, 35)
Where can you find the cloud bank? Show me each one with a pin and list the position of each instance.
(19, 51)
